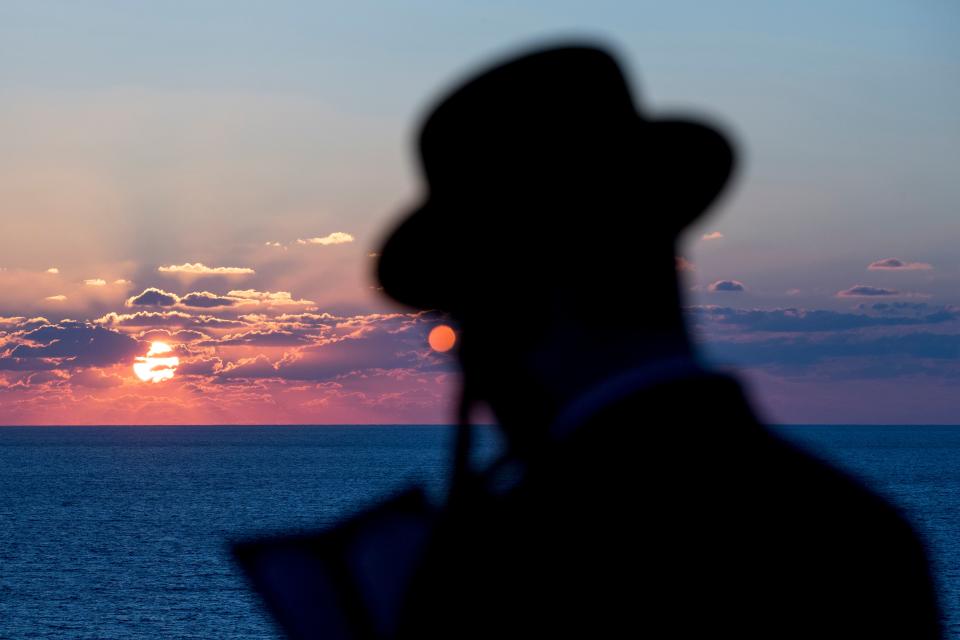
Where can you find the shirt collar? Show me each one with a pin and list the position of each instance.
(507, 473)
(619, 386)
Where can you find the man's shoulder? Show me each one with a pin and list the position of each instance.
(701, 435)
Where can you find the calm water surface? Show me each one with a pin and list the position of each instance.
(121, 532)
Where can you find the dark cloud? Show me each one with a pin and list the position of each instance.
(866, 291)
(815, 320)
(27, 364)
(297, 320)
(898, 308)
(920, 351)
(95, 379)
(258, 367)
(205, 299)
(887, 340)
(183, 335)
(215, 322)
(153, 297)
(375, 342)
(46, 377)
(146, 319)
(896, 264)
(165, 319)
(77, 345)
(260, 339)
(727, 286)
(200, 367)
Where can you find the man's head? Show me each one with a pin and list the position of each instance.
(552, 212)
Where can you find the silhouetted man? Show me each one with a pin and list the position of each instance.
(640, 494)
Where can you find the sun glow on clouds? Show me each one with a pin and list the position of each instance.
(337, 237)
(200, 269)
(155, 366)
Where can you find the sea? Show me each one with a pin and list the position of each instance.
(124, 532)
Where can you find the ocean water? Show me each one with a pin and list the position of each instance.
(122, 532)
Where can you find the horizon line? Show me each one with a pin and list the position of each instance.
(437, 424)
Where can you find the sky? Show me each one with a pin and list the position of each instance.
(214, 176)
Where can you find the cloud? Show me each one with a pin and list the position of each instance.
(198, 268)
(866, 291)
(95, 379)
(200, 367)
(165, 335)
(257, 367)
(359, 344)
(795, 320)
(145, 319)
(45, 377)
(685, 265)
(57, 298)
(887, 340)
(205, 299)
(269, 298)
(77, 344)
(269, 338)
(337, 237)
(95, 282)
(153, 297)
(53, 270)
(848, 354)
(121, 281)
(164, 319)
(713, 235)
(901, 308)
(20, 323)
(733, 286)
(896, 264)
(8, 363)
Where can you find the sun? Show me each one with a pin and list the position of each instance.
(151, 368)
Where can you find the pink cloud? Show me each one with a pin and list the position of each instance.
(896, 264)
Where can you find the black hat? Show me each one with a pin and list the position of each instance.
(540, 162)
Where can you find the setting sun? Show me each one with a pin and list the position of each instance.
(151, 368)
